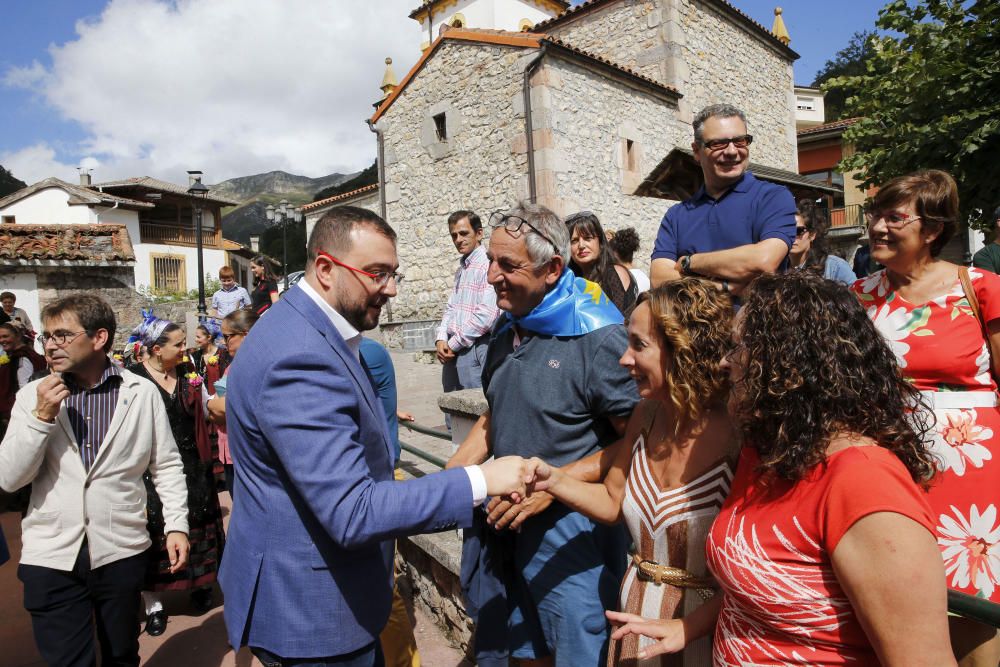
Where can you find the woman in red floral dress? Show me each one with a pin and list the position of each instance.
(919, 305)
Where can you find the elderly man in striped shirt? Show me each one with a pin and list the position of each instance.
(463, 335)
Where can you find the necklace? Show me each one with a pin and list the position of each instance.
(160, 370)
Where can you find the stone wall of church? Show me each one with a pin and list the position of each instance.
(605, 138)
(476, 91)
(706, 55)
(625, 32)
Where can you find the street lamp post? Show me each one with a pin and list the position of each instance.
(198, 192)
(282, 214)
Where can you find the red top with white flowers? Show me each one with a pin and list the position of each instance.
(770, 550)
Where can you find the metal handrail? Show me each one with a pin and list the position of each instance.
(962, 604)
(978, 609)
(426, 456)
(426, 430)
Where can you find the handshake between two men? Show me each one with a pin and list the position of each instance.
(517, 487)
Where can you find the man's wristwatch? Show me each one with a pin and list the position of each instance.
(685, 263)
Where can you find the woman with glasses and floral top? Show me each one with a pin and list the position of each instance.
(921, 307)
(591, 258)
(810, 251)
(235, 326)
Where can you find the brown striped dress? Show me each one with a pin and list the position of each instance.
(669, 528)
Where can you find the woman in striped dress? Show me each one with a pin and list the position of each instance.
(671, 472)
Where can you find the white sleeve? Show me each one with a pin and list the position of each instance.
(24, 372)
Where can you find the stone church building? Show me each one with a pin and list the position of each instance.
(587, 109)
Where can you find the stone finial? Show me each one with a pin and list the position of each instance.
(389, 81)
(779, 29)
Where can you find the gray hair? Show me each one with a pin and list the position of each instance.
(716, 111)
(546, 227)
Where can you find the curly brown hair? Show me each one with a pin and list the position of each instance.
(816, 367)
(694, 320)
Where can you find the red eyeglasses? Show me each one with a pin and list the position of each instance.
(380, 278)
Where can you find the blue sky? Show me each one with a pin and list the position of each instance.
(67, 90)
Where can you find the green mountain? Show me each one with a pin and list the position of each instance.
(257, 191)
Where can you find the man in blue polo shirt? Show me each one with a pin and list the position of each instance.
(735, 227)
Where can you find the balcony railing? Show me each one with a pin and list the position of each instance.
(849, 216)
(173, 235)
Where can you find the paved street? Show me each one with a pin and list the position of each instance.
(199, 641)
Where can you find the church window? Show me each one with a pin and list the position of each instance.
(525, 25)
(9, 220)
(631, 159)
(441, 127)
(458, 21)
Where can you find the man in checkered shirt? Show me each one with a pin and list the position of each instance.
(463, 335)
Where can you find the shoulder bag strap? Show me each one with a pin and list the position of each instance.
(970, 296)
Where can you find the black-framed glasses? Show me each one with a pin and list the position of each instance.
(226, 337)
(801, 231)
(380, 278)
(513, 225)
(60, 338)
(716, 145)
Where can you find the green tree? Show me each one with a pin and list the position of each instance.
(849, 61)
(930, 98)
(367, 177)
(8, 183)
(270, 244)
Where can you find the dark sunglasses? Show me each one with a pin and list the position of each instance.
(716, 145)
(801, 231)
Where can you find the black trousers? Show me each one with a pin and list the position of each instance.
(65, 606)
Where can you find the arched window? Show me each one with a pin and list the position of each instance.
(458, 20)
(525, 25)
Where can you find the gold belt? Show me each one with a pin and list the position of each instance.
(664, 574)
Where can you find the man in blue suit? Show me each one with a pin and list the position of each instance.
(307, 572)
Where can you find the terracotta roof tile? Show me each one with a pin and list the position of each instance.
(722, 5)
(828, 127)
(341, 197)
(97, 243)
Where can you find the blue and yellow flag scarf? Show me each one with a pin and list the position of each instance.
(572, 308)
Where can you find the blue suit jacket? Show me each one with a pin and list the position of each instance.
(307, 570)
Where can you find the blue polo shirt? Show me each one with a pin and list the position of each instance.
(749, 212)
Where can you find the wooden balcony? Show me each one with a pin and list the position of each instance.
(849, 216)
(182, 236)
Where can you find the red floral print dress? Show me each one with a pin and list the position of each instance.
(941, 349)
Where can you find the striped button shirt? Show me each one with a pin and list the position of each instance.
(90, 411)
(472, 306)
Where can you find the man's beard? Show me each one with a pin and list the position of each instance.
(355, 311)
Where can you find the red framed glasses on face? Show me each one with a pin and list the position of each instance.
(380, 278)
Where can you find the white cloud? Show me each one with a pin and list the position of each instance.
(28, 77)
(231, 87)
(34, 163)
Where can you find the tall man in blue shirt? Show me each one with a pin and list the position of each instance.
(735, 227)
